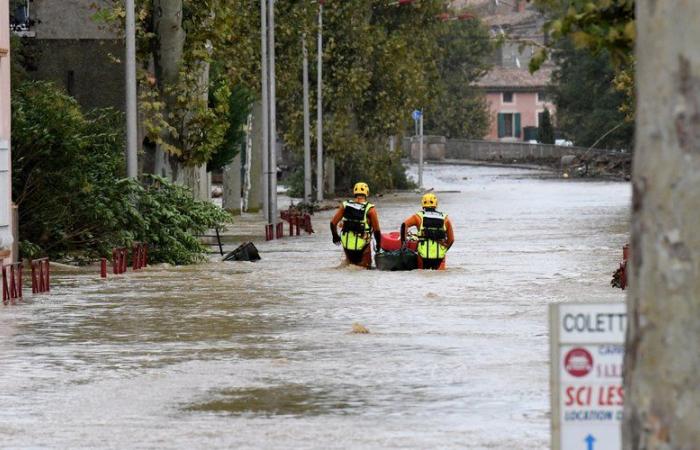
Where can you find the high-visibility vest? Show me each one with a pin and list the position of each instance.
(432, 232)
(355, 234)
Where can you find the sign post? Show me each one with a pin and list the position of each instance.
(587, 351)
(418, 118)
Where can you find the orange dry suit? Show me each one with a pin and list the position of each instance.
(359, 222)
(435, 237)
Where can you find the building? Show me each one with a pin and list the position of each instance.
(517, 100)
(7, 241)
(69, 46)
(516, 97)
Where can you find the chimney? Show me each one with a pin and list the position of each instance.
(521, 5)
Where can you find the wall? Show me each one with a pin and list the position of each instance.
(524, 103)
(6, 239)
(84, 69)
(78, 53)
(465, 149)
(69, 19)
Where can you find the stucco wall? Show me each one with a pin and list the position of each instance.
(70, 19)
(84, 69)
(524, 103)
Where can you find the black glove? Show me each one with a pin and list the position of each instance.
(334, 232)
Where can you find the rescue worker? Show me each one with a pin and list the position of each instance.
(435, 234)
(359, 222)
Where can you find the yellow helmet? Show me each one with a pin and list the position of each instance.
(429, 200)
(361, 189)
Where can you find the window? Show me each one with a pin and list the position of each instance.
(507, 97)
(542, 97)
(509, 125)
(540, 119)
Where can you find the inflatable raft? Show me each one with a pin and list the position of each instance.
(393, 257)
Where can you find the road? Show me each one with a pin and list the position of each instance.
(261, 355)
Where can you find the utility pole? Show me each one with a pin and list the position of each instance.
(307, 126)
(265, 141)
(131, 107)
(273, 115)
(319, 106)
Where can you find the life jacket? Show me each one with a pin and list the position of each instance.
(432, 232)
(355, 234)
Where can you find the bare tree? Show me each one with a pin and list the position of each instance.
(662, 362)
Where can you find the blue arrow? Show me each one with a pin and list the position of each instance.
(590, 440)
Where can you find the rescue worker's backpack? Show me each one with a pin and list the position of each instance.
(355, 234)
(431, 234)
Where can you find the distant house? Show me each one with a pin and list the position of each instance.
(517, 100)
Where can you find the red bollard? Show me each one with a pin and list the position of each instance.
(41, 275)
(5, 289)
(269, 232)
(279, 230)
(103, 268)
(115, 263)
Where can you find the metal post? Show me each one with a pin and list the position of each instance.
(131, 111)
(264, 150)
(307, 131)
(272, 161)
(319, 106)
(420, 152)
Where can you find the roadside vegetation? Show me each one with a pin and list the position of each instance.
(73, 200)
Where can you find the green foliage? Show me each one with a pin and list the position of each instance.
(461, 111)
(600, 25)
(546, 131)
(239, 106)
(588, 105)
(71, 197)
(381, 61)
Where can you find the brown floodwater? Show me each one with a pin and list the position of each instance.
(262, 355)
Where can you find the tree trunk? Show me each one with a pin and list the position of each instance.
(168, 59)
(662, 362)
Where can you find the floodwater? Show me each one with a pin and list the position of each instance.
(261, 355)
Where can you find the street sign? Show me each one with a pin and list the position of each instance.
(587, 351)
(417, 114)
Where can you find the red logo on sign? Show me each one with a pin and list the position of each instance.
(578, 362)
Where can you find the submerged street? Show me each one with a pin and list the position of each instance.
(261, 355)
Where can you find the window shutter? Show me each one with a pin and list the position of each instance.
(501, 125)
(517, 125)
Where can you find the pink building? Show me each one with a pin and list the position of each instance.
(516, 100)
(6, 239)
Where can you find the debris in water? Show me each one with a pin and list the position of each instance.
(359, 329)
(244, 252)
(431, 295)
